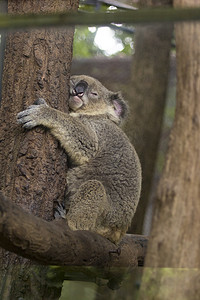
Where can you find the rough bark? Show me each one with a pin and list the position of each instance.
(177, 205)
(148, 89)
(33, 167)
(178, 195)
(3, 10)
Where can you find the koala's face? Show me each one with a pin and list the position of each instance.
(86, 93)
(89, 96)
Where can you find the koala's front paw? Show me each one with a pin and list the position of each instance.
(33, 115)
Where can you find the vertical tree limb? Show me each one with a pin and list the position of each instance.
(148, 89)
(177, 204)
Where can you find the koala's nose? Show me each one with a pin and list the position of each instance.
(80, 89)
(73, 93)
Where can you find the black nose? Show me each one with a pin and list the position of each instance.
(80, 88)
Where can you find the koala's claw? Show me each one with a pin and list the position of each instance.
(60, 211)
(26, 117)
(32, 116)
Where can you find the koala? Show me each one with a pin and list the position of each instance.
(104, 178)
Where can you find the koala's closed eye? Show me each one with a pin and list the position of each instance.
(94, 93)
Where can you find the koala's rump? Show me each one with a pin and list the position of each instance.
(117, 167)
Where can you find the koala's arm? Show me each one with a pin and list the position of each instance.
(78, 140)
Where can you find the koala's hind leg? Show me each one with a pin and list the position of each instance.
(87, 206)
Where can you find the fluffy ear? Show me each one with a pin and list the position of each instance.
(120, 106)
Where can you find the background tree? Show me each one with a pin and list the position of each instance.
(33, 167)
(148, 89)
(175, 240)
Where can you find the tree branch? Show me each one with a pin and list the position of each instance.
(144, 16)
(53, 243)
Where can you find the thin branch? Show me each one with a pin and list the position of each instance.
(91, 19)
(55, 244)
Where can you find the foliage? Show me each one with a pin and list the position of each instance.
(84, 39)
(127, 40)
(85, 46)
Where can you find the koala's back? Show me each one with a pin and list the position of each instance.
(116, 166)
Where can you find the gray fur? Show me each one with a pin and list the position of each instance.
(104, 181)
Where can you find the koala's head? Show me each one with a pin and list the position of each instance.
(89, 96)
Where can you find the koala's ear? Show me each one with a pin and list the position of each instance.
(120, 106)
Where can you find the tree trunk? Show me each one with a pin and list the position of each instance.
(148, 90)
(177, 205)
(33, 167)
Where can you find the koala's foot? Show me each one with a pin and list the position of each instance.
(87, 207)
(116, 251)
(60, 211)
